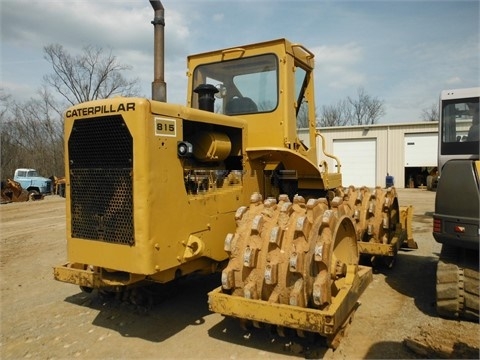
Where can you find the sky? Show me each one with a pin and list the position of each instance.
(401, 52)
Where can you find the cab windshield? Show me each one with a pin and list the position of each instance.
(460, 126)
(245, 85)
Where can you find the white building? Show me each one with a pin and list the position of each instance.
(367, 153)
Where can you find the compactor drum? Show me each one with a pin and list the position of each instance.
(294, 253)
(382, 226)
(289, 252)
(305, 254)
(157, 191)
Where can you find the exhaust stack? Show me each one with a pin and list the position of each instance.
(159, 86)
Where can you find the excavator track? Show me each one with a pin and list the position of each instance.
(293, 264)
(457, 283)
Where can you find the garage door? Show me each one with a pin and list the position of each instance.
(359, 161)
(421, 150)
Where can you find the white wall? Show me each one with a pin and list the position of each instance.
(390, 145)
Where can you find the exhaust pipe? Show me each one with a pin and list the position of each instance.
(159, 86)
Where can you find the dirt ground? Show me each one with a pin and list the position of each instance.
(45, 319)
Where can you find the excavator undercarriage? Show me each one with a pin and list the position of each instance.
(457, 283)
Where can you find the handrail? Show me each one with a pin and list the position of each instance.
(312, 55)
(339, 165)
(232, 50)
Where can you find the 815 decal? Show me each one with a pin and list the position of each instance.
(165, 126)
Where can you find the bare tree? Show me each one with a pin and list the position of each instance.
(431, 113)
(362, 110)
(7, 149)
(31, 132)
(31, 136)
(335, 115)
(94, 74)
(365, 109)
(4, 103)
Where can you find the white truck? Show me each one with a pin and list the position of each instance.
(32, 182)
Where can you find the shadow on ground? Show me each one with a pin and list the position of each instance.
(389, 350)
(175, 306)
(266, 339)
(185, 303)
(413, 276)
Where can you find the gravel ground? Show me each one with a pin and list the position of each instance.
(45, 319)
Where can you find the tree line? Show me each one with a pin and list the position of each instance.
(364, 109)
(361, 110)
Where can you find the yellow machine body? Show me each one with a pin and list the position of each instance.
(155, 191)
(148, 223)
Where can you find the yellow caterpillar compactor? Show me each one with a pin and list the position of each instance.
(156, 191)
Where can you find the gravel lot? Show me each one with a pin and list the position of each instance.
(45, 319)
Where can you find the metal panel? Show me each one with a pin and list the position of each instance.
(358, 159)
(421, 150)
(101, 162)
(390, 145)
(325, 322)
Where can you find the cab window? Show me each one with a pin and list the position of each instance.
(244, 86)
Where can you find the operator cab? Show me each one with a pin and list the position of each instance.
(459, 126)
(269, 85)
(241, 86)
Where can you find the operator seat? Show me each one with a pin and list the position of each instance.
(240, 105)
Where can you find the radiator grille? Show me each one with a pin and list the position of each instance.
(101, 186)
